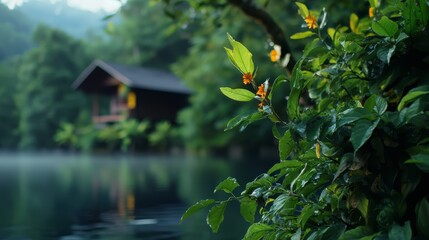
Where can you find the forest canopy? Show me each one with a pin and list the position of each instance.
(186, 38)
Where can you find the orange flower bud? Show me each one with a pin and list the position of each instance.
(247, 78)
(317, 150)
(371, 11)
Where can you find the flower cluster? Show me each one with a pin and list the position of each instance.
(311, 21)
(247, 78)
(276, 53)
(262, 93)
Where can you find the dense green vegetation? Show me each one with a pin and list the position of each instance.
(158, 41)
(353, 144)
(39, 63)
(15, 29)
(348, 112)
(44, 98)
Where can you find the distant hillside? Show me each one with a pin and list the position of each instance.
(17, 25)
(76, 22)
(15, 32)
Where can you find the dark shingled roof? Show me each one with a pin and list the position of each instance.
(135, 77)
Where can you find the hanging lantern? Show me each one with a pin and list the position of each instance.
(132, 100)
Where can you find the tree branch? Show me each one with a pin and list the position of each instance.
(273, 29)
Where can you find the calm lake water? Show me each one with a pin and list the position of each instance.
(73, 197)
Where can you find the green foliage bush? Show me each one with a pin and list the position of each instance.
(162, 135)
(43, 97)
(352, 132)
(125, 135)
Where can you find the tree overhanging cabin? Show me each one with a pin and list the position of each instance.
(120, 92)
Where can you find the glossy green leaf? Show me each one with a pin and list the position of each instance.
(361, 132)
(277, 82)
(286, 144)
(238, 94)
(385, 54)
(234, 122)
(410, 97)
(228, 185)
(352, 47)
(332, 33)
(362, 206)
(416, 15)
(263, 181)
(302, 35)
(285, 204)
(244, 120)
(296, 75)
(353, 115)
(303, 10)
(414, 110)
(304, 179)
(309, 48)
(257, 231)
(297, 235)
(400, 233)
(293, 103)
(215, 216)
(305, 214)
(356, 233)
(323, 18)
(377, 104)
(333, 232)
(374, 3)
(197, 207)
(402, 36)
(385, 27)
(380, 105)
(324, 104)
(313, 128)
(346, 162)
(421, 159)
(284, 165)
(354, 19)
(422, 211)
(317, 233)
(276, 132)
(248, 209)
(240, 56)
(251, 119)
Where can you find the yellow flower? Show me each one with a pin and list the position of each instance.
(247, 78)
(276, 53)
(311, 21)
(371, 11)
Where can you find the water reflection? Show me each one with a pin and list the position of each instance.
(56, 196)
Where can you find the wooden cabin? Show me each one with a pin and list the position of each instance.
(131, 92)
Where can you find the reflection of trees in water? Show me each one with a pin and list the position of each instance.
(54, 192)
(199, 176)
(197, 181)
(57, 194)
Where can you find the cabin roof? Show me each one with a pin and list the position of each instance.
(98, 72)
